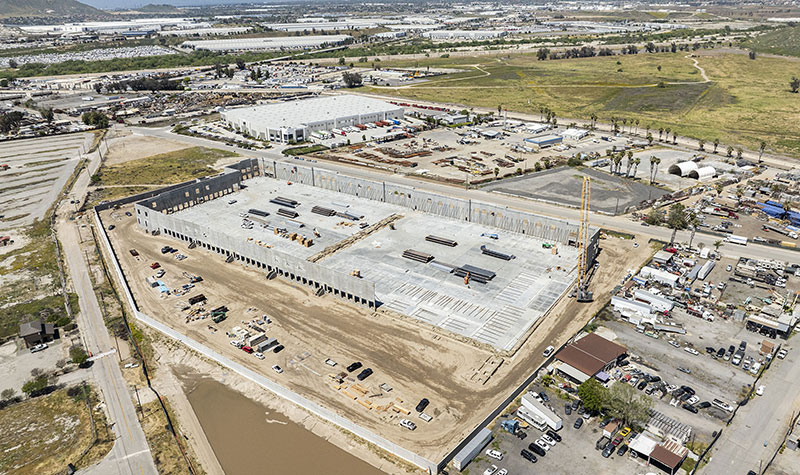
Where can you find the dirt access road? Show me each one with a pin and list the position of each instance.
(417, 361)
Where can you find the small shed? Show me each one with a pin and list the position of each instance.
(767, 348)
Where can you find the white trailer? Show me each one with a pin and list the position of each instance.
(741, 240)
(537, 408)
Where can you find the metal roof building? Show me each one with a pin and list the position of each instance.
(683, 168)
(296, 120)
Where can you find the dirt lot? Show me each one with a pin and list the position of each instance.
(126, 146)
(399, 350)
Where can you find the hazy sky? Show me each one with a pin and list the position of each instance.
(140, 3)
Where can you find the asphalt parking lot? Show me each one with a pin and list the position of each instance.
(575, 453)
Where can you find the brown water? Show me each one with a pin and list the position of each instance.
(248, 438)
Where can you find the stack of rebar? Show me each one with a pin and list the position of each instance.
(475, 273)
(323, 211)
(497, 254)
(417, 256)
(349, 215)
(441, 240)
(258, 212)
(287, 213)
(280, 201)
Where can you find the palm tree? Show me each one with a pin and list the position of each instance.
(666, 134)
(617, 161)
(636, 162)
(674, 137)
(654, 161)
(730, 150)
(649, 138)
(702, 144)
(629, 164)
(717, 245)
(761, 148)
(660, 133)
(739, 153)
(637, 126)
(716, 144)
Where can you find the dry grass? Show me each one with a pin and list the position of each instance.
(166, 454)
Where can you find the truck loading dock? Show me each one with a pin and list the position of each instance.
(358, 252)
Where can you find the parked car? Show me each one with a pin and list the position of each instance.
(259, 355)
(567, 408)
(544, 396)
(689, 408)
(528, 456)
(691, 351)
(684, 370)
(575, 404)
(495, 454)
(490, 470)
(622, 449)
(538, 450)
(548, 351)
(760, 390)
(642, 384)
(408, 424)
(354, 366)
(782, 354)
(548, 439)
(277, 369)
(423, 403)
(554, 435)
(608, 450)
(720, 352)
(365, 374)
(578, 423)
(703, 405)
(39, 347)
(277, 349)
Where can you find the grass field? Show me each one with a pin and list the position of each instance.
(44, 434)
(745, 101)
(785, 41)
(163, 169)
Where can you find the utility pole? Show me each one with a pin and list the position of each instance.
(138, 401)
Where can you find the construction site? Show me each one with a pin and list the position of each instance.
(353, 289)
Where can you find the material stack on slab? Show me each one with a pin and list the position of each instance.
(441, 240)
(323, 211)
(258, 212)
(349, 215)
(417, 256)
(287, 213)
(280, 201)
(497, 254)
(475, 273)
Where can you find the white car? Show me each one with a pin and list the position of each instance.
(548, 351)
(542, 444)
(502, 471)
(259, 355)
(691, 351)
(495, 454)
(782, 354)
(490, 470)
(548, 439)
(408, 424)
(674, 343)
(760, 390)
(693, 400)
(39, 347)
(277, 369)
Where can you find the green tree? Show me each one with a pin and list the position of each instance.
(78, 355)
(48, 115)
(593, 394)
(761, 147)
(677, 217)
(36, 384)
(12, 63)
(716, 144)
(654, 217)
(351, 79)
(341, 60)
(794, 85)
(547, 380)
(729, 150)
(626, 403)
(7, 394)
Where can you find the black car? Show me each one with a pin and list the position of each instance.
(423, 403)
(642, 385)
(567, 408)
(278, 349)
(521, 435)
(654, 379)
(720, 352)
(608, 450)
(365, 374)
(704, 405)
(537, 450)
(731, 348)
(528, 456)
(578, 423)
(688, 389)
(354, 366)
(685, 397)
(576, 403)
(544, 396)
(689, 408)
(710, 350)
(622, 449)
(570, 389)
(553, 435)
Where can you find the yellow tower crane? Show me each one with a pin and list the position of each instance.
(583, 294)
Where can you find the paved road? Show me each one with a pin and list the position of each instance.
(131, 453)
(741, 446)
(619, 223)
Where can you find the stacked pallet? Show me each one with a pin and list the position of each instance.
(287, 213)
(280, 201)
(258, 212)
(497, 254)
(323, 211)
(475, 273)
(441, 240)
(417, 256)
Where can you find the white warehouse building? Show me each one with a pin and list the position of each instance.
(296, 120)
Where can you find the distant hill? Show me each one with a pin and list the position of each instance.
(157, 8)
(26, 8)
(785, 41)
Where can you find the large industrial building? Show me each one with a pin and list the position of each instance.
(277, 43)
(475, 269)
(296, 120)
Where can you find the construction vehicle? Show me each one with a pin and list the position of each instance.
(466, 279)
(583, 294)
